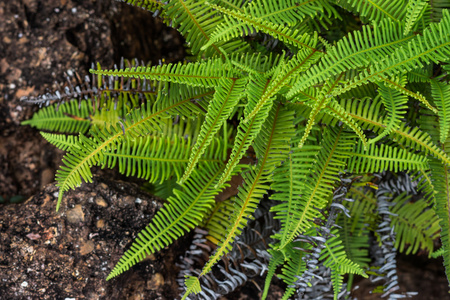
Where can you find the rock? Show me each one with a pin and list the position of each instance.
(100, 202)
(58, 258)
(75, 215)
(87, 248)
(155, 282)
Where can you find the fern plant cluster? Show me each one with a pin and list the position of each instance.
(332, 115)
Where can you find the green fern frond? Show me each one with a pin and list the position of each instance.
(192, 286)
(226, 97)
(376, 10)
(355, 239)
(285, 74)
(318, 187)
(354, 51)
(61, 141)
(276, 259)
(368, 116)
(289, 185)
(77, 165)
(236, 23)
(384, 158)
(69, 117)
(440, 175)
(156, 158)
(247, 131)
(441, 96)
(288, 12)
(219, 221)
(432, 46)
(335, 258)
(195, 21)
(183, 212)
(201, 74)
(416, 225)
(416, 8)
(398, 85)
(295, 266)
(395, 104)
(273, 142)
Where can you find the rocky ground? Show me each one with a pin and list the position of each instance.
(48, 255)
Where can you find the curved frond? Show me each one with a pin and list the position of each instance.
(318, 187)
(416, 225)
(77, 164)
(256, 182)
(226, 97)
(182, 213)
(69, 117)
(200, 74)
(376, 10)
(395, 104)
(416, 9)
(432, 46)
(60, 141)
(384, 158)
(356, 50)
(236, 23)
(441, 96)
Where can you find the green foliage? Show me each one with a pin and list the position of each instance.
(298, 108)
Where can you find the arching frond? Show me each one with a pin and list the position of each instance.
(69, 117)
(336, 259)
(318, 187)
(356, 50)
(180, 215)
(226, 97)
(432, 46)
(236, 23)
(384, 158)
(375, 11)
(441, 96)
(272, 142)
(61, 141)
(205, 74)
(395, 104)
(416, 8)
(416, 225)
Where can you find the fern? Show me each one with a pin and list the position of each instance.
(337, 130)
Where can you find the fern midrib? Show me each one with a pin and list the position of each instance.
(406, 135)
(56, 119)
(302, 218)
(177, 220)
(347, 58)
(383, 11)
(443, 113)
(402, 160)
(290, 199)
(265, 28)
(188, 11)
(231, 233)
(412, 94)
(297, 5)
(63, 185)
(168, 160)
(378, 73)
(205, 139)
(276, 86)
(246, 134)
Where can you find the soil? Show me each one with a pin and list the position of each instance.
(44, 255)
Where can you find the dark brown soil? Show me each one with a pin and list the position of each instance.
(44, 255)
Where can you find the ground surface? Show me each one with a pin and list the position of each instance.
(69, 254)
